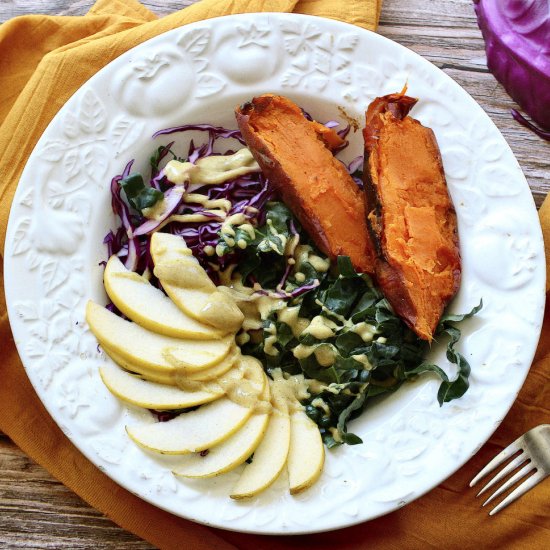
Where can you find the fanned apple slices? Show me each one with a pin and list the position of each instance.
(272, 453)
(209, 425)
(232, 452)
(284, 435)
(189, 286)
(228, 454)
(193, 431)
(142, 347)
(176, 376)
(148, 306)
(178, 351)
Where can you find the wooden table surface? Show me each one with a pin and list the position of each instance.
(36, 511)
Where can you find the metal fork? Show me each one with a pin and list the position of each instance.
(534, 456)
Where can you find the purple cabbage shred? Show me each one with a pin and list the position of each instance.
(544, 134)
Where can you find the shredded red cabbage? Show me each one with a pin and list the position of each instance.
(355, 168)
(207, 149)
(247, 194)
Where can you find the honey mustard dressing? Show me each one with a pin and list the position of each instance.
(212, 170)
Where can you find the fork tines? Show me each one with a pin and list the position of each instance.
(533, 459)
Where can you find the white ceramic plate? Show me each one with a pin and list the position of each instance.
(199, 73)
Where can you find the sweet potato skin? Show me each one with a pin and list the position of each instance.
(410, 215)
(295, 154)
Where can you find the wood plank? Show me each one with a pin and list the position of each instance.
(36, 511)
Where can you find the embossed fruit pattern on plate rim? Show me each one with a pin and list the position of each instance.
(199, 73)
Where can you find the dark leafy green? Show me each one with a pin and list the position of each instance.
(158, 156)
(270, 238)
(453, 389)
(263, 256)
(139, 195)
(370, 351)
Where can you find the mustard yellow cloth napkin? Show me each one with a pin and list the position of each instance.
(43, 61)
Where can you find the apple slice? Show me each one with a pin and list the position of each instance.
(306, 455)
(193, 431)
(150, 307)
(270, 456)
(232, 452)
(178, 358)
(176, 263)
(151, 395)
(189, 286)
(140, 346)
(246, 383)
(211, 373)
(160, 377)
(175, 377)
(227, 455)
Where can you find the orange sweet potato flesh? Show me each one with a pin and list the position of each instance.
(331, 139)
(410, 214)
(295, 154)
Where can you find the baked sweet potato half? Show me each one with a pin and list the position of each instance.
(410, 214)
(296, 155)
